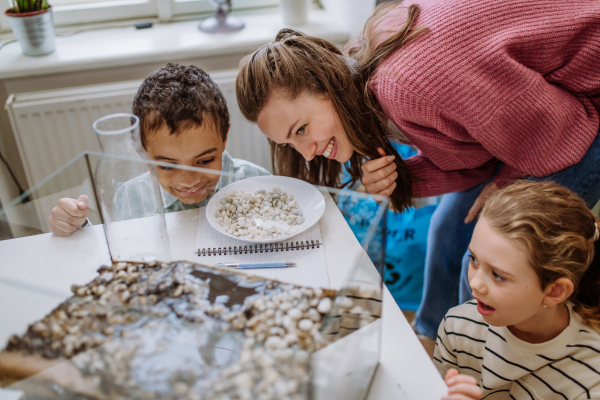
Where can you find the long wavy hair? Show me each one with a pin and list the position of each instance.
(295, 64)
(558, 232)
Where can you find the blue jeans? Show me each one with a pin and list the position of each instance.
(446, 262)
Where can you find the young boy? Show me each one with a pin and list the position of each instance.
(183, 120)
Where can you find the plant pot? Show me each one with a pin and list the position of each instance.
(34, 31)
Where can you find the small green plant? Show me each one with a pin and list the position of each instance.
(24, 6)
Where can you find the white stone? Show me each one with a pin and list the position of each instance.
(285, 306)
(294, 313)
(290, 338)
(305, 325)
(275, 342)
(314, 315)
(356, 310)
(287, 322)
(324, 305)
(346, 303)
(304, 306)
(244, 380)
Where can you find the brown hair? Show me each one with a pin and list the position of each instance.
(556, 229)
(296, 63)
(179, 96)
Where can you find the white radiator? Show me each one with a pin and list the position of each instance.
(52, 127)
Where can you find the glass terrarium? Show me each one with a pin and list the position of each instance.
(125, 191)
(80, 323)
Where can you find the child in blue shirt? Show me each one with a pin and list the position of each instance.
(184, 120)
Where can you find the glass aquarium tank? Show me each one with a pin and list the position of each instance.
(81, 322)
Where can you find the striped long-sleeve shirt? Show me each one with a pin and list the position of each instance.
(566, 367)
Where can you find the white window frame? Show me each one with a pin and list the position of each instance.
(108, 11)
(94, 12)
(202, 6)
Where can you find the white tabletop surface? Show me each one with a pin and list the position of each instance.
(36, 274)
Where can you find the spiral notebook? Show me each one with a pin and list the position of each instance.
(305, 249)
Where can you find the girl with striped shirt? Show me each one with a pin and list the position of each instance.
(532, 330)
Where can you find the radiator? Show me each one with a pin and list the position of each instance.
(52, 127)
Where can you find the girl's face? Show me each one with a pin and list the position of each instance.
(507, 289)
(308, 123)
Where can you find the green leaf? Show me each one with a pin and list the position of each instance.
(24, 6)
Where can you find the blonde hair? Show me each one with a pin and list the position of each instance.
(295, 64)
(557, 230)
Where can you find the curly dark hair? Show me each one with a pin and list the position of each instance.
(179, 96)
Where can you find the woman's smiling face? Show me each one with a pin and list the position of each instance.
(309, 123)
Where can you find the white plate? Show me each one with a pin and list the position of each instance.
(310, 200)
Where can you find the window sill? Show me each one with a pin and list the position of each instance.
(163, 42)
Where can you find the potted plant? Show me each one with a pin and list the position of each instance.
(31, 22)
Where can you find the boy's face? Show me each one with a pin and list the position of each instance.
(194, 146)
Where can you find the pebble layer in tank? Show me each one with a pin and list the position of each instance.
(178, 331)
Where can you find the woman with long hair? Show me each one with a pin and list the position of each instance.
(489, 91)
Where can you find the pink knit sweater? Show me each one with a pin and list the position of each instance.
(516, 81)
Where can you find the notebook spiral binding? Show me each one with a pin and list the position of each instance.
(259, 248)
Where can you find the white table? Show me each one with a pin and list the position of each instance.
(36, 274)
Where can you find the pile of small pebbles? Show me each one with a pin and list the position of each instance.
(239, 213)
(275, 327)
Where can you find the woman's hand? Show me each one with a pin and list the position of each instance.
(487, 191)
(379, 175)
(461, 387)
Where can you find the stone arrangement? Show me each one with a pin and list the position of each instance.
(184, 331)
(239, 213)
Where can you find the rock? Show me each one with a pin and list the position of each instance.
(324, 305)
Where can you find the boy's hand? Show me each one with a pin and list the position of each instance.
(69, 215)
(461, 387)
(379, 175)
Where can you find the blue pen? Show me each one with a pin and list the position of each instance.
(278, 264)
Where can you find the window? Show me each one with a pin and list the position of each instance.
(71, 12)
(196, 6)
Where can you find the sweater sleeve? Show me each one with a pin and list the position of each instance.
(533, 133)
(518, 84)
(430, 180)
(506, 175)
(555, 118)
